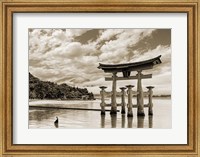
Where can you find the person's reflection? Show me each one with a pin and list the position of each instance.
(130, 122)
(150, 121)
(113, 121)
(123, 120)
(56, 125)
(140, 121)
(103, 121)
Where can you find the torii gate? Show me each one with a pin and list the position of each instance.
(126, 70)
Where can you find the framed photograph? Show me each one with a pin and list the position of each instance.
(96, 78)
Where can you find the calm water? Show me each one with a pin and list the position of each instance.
(44, 118)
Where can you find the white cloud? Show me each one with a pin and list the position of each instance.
(75, 32)
(109, 33)
(165, 51)
(54, 55)
(116, 50)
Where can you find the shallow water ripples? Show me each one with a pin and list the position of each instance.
(82, 119)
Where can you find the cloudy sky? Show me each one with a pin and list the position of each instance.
(72, 55)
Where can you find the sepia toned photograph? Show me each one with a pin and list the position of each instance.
(100, 78)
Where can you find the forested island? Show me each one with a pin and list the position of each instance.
(49, 90)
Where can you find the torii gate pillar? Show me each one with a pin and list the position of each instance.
(140, 96)
(114, 92)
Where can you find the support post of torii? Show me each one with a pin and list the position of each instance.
(140, 96)
(130, 104)
(123, 103)
(150, 100)
(103, 104)
(114, 93)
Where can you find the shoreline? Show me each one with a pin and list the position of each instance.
(40, 102)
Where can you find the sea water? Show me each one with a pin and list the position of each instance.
(86, 119)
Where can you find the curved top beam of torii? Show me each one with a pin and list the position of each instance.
(128, 67)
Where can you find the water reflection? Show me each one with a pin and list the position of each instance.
(130, 122)
(78, 119)
(123, 120)
(41, 114)
(140, 122)
(103, 121)
(47, 117)
(113, 121)
(150, 121)
(56, 125)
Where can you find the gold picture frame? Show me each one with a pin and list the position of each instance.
(8, 7)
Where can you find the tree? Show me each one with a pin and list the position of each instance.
(49, 90)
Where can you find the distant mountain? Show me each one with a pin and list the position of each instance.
(49, 90)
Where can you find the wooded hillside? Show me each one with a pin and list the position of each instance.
(49, 90)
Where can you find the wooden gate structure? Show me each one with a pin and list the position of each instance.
(126, 70)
